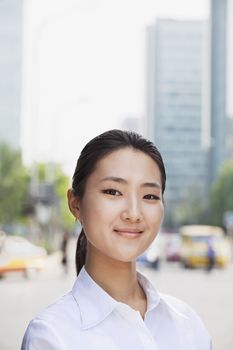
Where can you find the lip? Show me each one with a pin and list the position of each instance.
(128, 232)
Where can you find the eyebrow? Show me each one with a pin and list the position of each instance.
(123, 181)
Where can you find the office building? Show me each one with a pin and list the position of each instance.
(177, 105)
(218, 36)
(221, 87)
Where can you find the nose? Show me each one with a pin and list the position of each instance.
(132, 212)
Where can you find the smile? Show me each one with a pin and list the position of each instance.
(127, 232)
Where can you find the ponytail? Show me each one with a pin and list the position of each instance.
(81, 249)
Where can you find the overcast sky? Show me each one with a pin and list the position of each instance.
(84, 69)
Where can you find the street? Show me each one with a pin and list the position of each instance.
(210, 294)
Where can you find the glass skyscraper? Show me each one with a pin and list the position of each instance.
(221, 87)
(218, 27)
(176, 61)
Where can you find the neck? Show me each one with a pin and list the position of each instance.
(117, 278)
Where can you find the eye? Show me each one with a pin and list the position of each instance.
(112, 192)
(151, 197)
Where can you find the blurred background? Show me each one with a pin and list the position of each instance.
(70, 69)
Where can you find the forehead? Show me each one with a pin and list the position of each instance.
(127, 162)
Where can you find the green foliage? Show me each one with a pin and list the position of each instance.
(221, 195)
(187, 211)
(62, 183)
(52, 172)
(15, 198)
(14, 181)
(210, 211)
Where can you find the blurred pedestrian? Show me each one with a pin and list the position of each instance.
(210, 254)
(64, 244)
(117, 195)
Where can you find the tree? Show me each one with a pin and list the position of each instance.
(14, 181)
(221, 194)
(62, 183)
(50, 177)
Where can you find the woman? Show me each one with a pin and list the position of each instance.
(117, 195)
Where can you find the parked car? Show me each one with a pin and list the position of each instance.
(18, 254)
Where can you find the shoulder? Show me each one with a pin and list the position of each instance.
(178, 306)
(184, 314)
(62, 310)
(40, 334)
(48, 328)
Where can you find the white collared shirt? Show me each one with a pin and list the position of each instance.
(87, 318)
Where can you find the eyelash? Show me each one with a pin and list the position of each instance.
(113, 192)
(151, 197)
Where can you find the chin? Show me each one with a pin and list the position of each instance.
(127, 258)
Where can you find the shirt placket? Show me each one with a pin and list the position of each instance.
(139, 325)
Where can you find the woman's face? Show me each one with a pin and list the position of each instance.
(122, 207)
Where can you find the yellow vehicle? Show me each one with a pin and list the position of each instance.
(18, 254)
(194, 245)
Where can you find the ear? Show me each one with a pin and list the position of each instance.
(73, 202)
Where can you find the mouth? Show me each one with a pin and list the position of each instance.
(128, 232)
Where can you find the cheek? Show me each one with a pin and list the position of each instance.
(156, 215)
(88, 215)
(96, 211)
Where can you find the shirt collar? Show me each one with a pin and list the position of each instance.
(153, 297)
(95, 304)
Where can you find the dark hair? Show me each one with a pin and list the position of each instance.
(95, 150)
